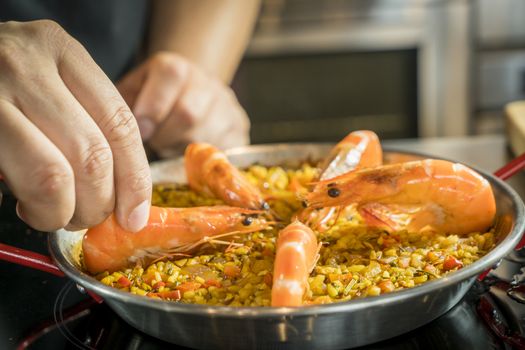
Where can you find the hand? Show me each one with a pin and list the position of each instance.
(70, 148)
(176, 103)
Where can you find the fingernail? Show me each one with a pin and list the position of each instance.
(17, 209)
(139, 217)
(146, 127)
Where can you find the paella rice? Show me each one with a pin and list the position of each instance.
(355, 261)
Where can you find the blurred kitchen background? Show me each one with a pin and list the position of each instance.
(316, 69)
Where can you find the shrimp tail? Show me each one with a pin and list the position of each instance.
(359, 149)
(296, 255)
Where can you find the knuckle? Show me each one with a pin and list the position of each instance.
(44, 29)
(8, 25)
(51, 180)
(26, 45)
(48, 28)
(11, 55)
(56, 38)
(121, 128)
(140, 181)
(47, 24)
(171, 64)
(97, 160)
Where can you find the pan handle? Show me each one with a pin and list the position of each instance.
(35, 261)
(505, 172)
(511, 168)
(30, 259)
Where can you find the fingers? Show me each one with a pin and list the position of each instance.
(159, 92)
(36, 171)
(129, 86)
(103, 103)
(234, 137)
(66, 123)
(67, 138)
(228, 120)
(212, 124)
(190, 108)
(177, 103)
(205, 111)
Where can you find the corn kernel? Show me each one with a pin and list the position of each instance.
(356, 268)
(332, 291)
(420, 279)
(189, 294)
(373, 290)
(181, 262)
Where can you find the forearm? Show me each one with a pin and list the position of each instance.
(211, 33)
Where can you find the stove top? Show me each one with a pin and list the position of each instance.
(41, 311)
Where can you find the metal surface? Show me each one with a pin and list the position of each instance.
(339, 325)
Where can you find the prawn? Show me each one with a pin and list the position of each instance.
(296, 255)
(209, 171)
(435, 194)
(169, 231)
(359, 149)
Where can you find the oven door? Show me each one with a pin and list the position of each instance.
(320, 97)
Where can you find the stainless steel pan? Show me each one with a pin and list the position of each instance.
(334, 326)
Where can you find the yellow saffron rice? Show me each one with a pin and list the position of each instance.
(355, 261)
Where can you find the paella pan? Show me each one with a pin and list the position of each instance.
(336, 325)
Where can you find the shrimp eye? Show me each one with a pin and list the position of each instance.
(247, 221)
(334, 192)
(265, 206)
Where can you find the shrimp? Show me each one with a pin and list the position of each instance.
(359, 149)
(169, 230)
(436, 194)
(296, 255)
(209, 171)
